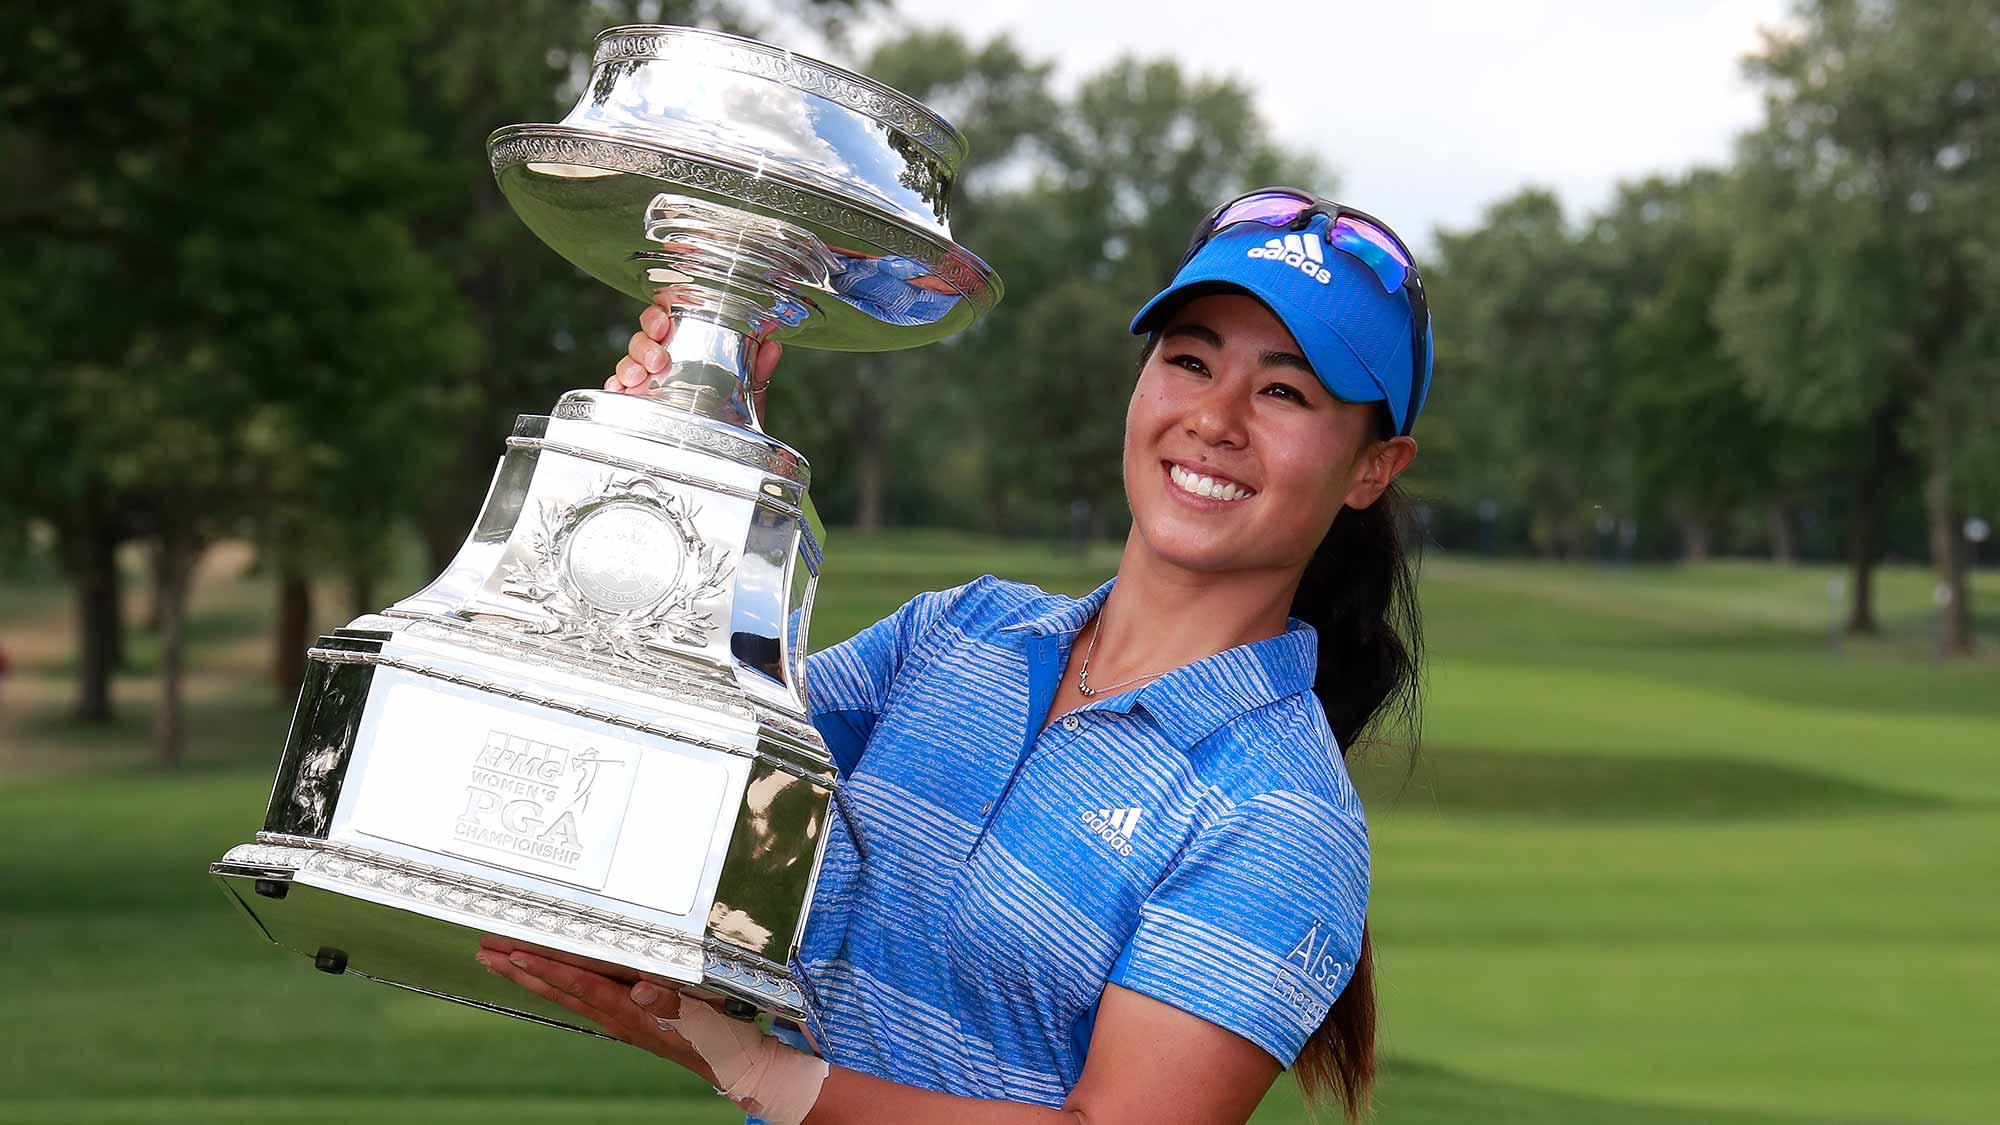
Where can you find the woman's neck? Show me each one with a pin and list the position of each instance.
(1160, 616)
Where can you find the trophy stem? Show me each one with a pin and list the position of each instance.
(710, 372)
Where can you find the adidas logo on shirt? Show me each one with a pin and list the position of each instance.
(1115, 827)
(1300, 251)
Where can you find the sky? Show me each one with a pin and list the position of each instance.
(1430, 110)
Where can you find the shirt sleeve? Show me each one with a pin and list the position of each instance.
(1257, 927)
(848, 684)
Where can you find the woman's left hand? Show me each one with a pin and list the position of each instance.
(627, 1013)
(646, 355)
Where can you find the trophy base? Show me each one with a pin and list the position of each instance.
(393, 944)
(421, 805)
(343, 935)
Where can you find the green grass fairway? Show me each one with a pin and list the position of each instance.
(1666, 857)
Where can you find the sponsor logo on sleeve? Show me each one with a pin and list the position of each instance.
(1312, 959)
(1313, 956)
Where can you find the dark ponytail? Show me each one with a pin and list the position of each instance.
(1360, 592)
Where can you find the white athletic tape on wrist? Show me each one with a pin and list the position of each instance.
(763, 1076)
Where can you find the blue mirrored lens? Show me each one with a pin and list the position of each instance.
(1270, 208)
(1389, 266)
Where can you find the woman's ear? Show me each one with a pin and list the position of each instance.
(1377, 468)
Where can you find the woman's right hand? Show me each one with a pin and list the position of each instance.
(647, 355)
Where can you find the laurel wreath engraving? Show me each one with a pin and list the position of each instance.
(633, 634)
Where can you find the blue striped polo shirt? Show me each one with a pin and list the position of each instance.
(1196, 839)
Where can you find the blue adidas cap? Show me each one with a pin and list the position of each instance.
(1355, 331)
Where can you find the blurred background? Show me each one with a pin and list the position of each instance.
(1702, 827)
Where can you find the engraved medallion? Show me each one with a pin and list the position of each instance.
(623, 570)
(624, 557)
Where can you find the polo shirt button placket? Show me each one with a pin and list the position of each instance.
(1070, 722)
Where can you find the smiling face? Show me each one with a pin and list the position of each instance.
(1236, 457)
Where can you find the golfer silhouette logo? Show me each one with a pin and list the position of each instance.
(585, 764)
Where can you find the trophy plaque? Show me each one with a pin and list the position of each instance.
(590, 733)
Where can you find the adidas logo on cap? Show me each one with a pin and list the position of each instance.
(1300, 251)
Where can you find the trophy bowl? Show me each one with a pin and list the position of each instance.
(590, 733)
(788, 193)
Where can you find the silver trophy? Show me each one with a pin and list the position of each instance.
(590, 733)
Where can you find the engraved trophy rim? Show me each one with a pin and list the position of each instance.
(638, 41)
(774, 192)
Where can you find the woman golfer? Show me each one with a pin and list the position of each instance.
(1103, 862)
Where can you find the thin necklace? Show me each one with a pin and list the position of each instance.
(1083, 672)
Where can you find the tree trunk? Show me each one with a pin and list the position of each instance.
(150, 622)
(1546, 537)
(175, 553)
(361, 594)
(92, 554)
(1784, 540)
(1695, 539)
(1864, 533)
(1955, 636)
(294, 633)
(115, 628)
(441, 540)
(869, 474)
(871, 468)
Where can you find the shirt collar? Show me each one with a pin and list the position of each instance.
(1193, 701)
(1067, 615)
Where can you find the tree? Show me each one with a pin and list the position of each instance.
(195, 271)
(1866, 226)
(1532, 324)
(1701, 450)
(58, 436)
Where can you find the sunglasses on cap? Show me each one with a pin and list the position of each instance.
(1355, 233)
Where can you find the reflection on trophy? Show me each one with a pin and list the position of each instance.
(590, 733)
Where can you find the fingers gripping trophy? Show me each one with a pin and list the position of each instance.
(590, 733)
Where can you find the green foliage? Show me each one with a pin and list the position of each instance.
(1730, 351)
(1525, 379)
(1701, 448)
(222, 303)
(216, 253)
(1865, 209)
(1573, 364)
(261, 280)
(1857, 296)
